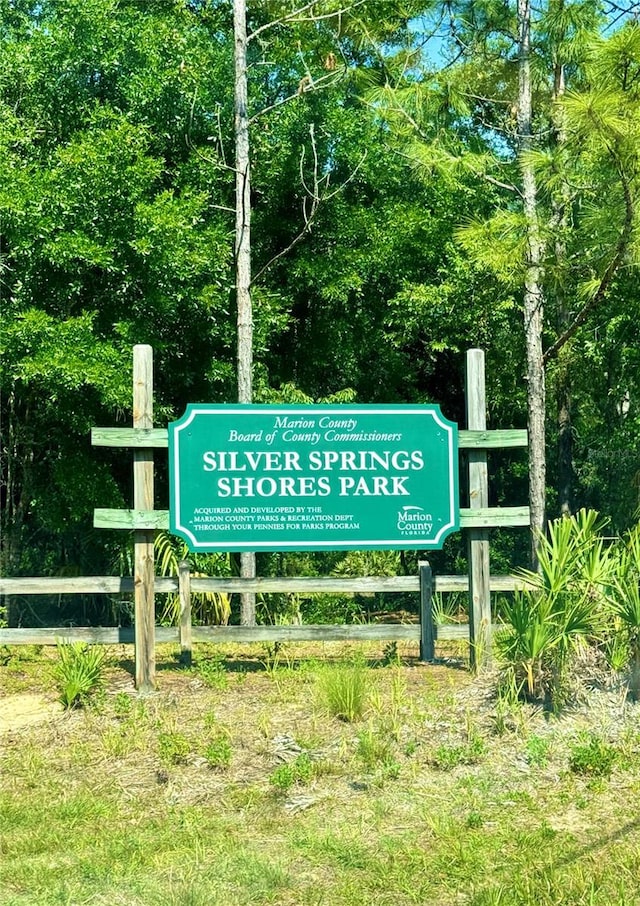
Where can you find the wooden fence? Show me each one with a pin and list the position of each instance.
(427, 631)
(478, 518)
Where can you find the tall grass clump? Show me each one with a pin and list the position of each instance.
(79, 673)
(344, 690)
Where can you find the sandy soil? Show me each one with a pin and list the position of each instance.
(26, 709)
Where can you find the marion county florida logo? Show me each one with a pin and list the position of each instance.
(412, 520)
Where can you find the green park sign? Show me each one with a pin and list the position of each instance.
(268, 478)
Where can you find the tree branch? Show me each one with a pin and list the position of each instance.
(607, 277)
(326, 81)
(426, 139)
(314, 195)
(297, 15)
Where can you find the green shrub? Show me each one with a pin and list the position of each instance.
(218, 752)
(79, 673)
(374, 748)
(446, 756)
(537, 750)
(593, 756)
(563, 608)
(212, 671)
(624, 643)
(173, 747)
(122, 705)
(207, 607)
(300, 771)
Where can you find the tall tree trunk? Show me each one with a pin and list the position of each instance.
(565, 431)
(533, 295)
(243, 257)
(15, 468)
(560, 213)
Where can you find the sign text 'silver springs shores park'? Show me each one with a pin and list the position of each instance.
(247, 477)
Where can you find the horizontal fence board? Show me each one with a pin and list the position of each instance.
(356, 632)
(330, 633)
(493, 440)
(159, 438)
(495, 517)
(59, 585)
(130, 437)
(131, 519)
(370, 584)
(309, 584)
(489, 517)
(80, 585)
(93, 635)
(114, 585)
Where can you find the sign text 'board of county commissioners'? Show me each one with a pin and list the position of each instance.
(271, 477)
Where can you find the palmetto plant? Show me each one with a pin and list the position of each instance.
(79, 673)
(208, 607)
(563, 604)
(625, 604)
(530, 638)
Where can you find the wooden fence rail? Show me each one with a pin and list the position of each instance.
(263, 585)
(113, 585)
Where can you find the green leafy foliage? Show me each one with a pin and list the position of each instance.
(207, 608)
(218, 753)
(300, 771)
(625, 604)
(592, 756)
(174, 747)
(448, 756)
(585, 594)
(564, 607)
(79, 673)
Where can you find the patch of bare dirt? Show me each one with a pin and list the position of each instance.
(26, 709)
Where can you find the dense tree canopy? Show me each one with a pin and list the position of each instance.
(388, 233)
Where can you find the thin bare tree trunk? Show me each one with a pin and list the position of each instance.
(243, 208)
(560, 209)
(533, 295)
(243, 257)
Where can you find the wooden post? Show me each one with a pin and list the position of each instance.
(184, 582)
(143, 539)
(427, 627)
(478, 539)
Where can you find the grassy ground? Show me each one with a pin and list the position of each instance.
(236, 784)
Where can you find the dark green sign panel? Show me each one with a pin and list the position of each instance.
(254, 478)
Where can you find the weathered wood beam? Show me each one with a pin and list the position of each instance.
(236, 634)
(492, 440)
(159, 438)
(143, 536)
(485, 517)
(114, 585)
(130, 437)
